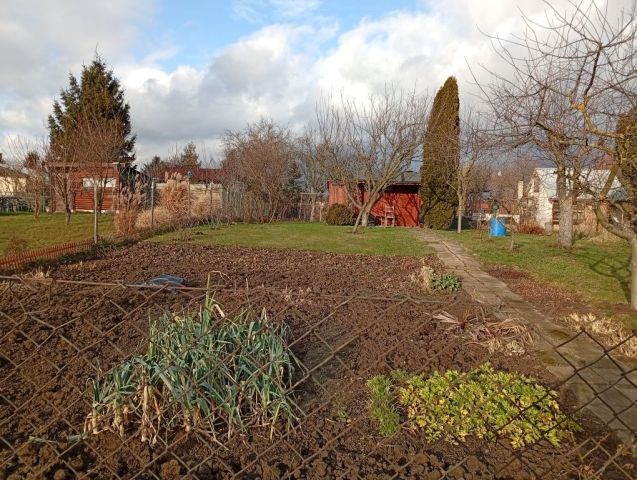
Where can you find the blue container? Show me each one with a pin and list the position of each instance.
(497, 228)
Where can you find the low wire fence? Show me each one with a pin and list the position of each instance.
(107, 380)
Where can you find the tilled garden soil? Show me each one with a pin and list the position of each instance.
(350, 318)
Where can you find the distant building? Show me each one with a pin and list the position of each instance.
(400, 200)
(81, 179)
(12, 182)
(542, 203)
(197, 175)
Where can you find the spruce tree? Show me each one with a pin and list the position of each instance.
(440, 158)
(97, 96)
(189, 158)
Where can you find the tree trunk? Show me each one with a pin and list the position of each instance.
(68, 215)
(366, 210)
(633, 273)
(358, 220)
(565, 199)
(565, 234)
(460, 211)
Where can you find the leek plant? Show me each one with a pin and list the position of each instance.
(203, 372)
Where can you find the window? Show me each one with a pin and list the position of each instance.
(87, 182)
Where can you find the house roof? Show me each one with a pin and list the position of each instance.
(595, 178)
(409, 176)
(11, 172)
(404, 178)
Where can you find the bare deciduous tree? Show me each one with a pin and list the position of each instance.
(61, 161)
(368, 145)
(574, 78)
(477, 147)
(31, 175)
(570, 79)
(259, 166)
(311, 155)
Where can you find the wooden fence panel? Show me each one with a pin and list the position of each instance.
(16, 261)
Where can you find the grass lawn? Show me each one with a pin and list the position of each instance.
(309, 236)
(599, 272)
(49, 229)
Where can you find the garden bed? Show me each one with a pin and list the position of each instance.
(350, 317)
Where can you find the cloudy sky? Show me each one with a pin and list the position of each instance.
(194, 68)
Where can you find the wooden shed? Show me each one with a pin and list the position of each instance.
(401, 199)
(81, 178)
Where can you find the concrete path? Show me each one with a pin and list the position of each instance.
(604, 385)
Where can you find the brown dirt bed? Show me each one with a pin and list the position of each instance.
(350, 317)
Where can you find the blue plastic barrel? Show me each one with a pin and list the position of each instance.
(497, 228)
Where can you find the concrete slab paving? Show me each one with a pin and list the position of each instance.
(604, 385)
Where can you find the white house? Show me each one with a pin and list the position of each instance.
(542, 193)
(12, 182)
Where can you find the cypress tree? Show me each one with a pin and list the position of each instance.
(441, 155)
(98, 95)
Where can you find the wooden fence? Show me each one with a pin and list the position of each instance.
(18, 260)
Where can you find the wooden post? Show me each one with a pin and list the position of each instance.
(95, 224)
(188, 197)
(152, 204)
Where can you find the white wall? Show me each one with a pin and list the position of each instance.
(10, 186)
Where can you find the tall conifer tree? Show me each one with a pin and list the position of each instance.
(97, 96)
(440, 157)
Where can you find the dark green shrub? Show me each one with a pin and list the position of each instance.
(484, 402)
(439, 216)
(338, 214)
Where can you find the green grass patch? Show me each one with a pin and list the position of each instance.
(598, 272)
(49, 229)
(309, 236)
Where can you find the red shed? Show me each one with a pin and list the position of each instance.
(80, 178)
(401, 196)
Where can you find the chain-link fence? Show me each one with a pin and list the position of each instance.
(106, 380)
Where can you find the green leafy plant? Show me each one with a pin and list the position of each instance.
(445, 281)
(382, 407)
(342, 416)
(484, 402)
(200, 371)
(339, 214)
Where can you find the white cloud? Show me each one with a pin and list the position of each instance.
(42, 41)
(279, 71)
